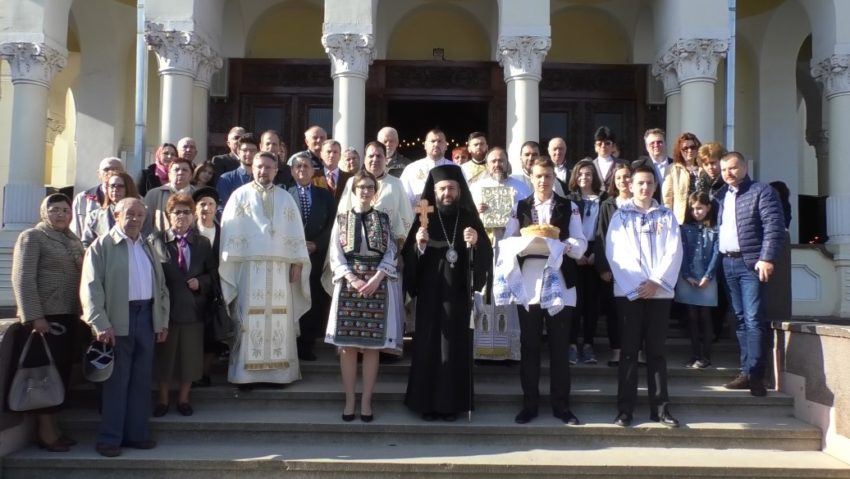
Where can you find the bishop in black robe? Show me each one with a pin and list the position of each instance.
(440, 382)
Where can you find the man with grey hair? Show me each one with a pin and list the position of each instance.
(126, 303)
(314, 137)
(93, 198)
(396, 162)
(230, 160)
(186, 148)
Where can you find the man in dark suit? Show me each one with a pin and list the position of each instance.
(317, 214)
(657, 159)
(331, 177)
(270, 141)
(605, 163)
(545, 207)
(229, 161)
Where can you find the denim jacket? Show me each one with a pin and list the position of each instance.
(700, 245)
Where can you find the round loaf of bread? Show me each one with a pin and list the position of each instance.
(541, 231)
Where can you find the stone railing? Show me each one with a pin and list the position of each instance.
(812, 359)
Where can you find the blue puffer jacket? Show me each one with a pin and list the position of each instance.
(758, 212)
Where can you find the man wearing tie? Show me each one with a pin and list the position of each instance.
(333, 178)
(317, 215)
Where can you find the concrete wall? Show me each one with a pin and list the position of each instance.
(813, 361)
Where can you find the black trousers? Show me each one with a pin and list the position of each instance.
(531, 337)
(643, 321)
(587, 309)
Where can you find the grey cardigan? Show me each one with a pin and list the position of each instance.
(104, 288)
(46, 272)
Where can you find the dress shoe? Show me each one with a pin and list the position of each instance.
(740, 382)
(567, 416)
(450, 417)
(55, 446)
(757, 388)
(307, 355)
(430, 416)
(348, 417)
(106, 450)
(185, 409)
(144, 444)
(367, 417)
(160, 410)
(664, 418)
(67, 440)
(204, 382)
(623, 419)
(525, 416)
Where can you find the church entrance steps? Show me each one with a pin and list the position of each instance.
(369, 461)
(296, 432)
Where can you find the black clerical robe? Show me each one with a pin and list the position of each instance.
(440, 377)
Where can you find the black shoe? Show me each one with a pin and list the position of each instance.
(348, 417)
(623, 419)
(160, 410)
(664, 418)
(525, 416)
(307, 356)
(367, 417)
(204, 382)
(430, 416)
(450, 417)
(757, 388)
(567, 416)
(740, 382)
(185, 409)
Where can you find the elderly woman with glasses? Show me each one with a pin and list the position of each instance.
(681, 178)
(189, 268)
(46, 266)
(119, 185)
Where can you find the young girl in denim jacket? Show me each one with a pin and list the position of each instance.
(697, 285)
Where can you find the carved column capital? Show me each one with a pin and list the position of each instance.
(834, 74)
(350, 53)
(33, 63)
(666, 74)
(696, 59)
(522, 56)
(55, 126)
(206, 68)
(178, 52)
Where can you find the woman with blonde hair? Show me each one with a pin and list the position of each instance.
(681, 178)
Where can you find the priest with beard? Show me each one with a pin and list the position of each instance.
(437, 272)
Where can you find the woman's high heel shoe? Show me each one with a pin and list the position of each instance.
(56, 446)
(348, 417)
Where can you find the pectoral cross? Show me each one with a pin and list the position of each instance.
(423, 209)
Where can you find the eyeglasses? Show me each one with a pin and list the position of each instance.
(365, 187)
(58, 211)
(181, 212)
(117, 186)
(689, 148)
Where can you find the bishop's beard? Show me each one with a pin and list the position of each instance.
(447, 210)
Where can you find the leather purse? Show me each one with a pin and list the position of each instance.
(36, 388)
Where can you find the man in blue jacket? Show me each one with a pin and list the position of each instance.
(751, 234)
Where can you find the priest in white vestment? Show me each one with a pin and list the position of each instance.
(265, 271)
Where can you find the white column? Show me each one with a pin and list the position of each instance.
(665, 73)
(350, 55)
(178, 54)
(522, 59)
(834, 73)
(34, 66)
(200, 104)
(696, 60)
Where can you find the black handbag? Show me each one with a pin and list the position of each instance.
(36, 388)
(220, 321)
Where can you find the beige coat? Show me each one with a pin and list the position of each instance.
(46, 272)
(675, 191)
(104, 288)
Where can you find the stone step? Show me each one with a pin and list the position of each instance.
(310, 423)
(293, 460)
